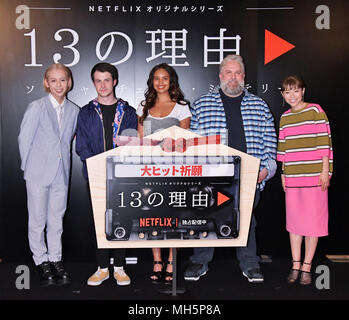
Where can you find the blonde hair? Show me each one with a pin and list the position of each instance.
(58, 66)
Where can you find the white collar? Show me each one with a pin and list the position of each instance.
(54, 101)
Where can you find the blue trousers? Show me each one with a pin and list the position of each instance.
(247, 256)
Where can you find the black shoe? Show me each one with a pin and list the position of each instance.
(156, 276)
(254, 275)
(45, 274)
(61, 277)
(168, 275)
(194, 271)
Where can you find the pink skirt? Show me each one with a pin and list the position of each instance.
(307, 211)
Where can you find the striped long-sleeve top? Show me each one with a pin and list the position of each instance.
(208, 118)
(304, 139)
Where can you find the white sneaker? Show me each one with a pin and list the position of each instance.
(98, 277)
(122, 279)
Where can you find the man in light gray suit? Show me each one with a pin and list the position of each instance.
(46, 134)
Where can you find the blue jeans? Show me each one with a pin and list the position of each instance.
(247, 256)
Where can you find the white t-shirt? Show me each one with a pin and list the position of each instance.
(179, 111)
(153, 124)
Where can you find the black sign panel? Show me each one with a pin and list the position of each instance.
(163, 198)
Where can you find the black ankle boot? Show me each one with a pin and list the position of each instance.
(60, 275)
(45, 274)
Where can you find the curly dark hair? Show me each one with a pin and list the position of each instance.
(174, 91)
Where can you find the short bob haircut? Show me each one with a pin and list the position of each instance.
(105, 67)
(58, 66)
(292, 82)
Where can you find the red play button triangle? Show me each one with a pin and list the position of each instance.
(221, 198)
(274, 46)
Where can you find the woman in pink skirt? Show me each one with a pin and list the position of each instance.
(305, 150)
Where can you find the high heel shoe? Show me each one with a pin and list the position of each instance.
(305, 278)
(168, 274)
(293, 275)
(156, 276)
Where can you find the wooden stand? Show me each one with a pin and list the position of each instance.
(248, 178)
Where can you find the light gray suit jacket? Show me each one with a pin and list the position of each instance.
(42, 144)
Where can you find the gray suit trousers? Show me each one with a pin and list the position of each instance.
(46, 208)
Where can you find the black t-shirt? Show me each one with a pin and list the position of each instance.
(108, 114)
(236, 133)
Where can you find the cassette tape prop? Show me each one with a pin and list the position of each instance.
(172, 189)
(159, 198)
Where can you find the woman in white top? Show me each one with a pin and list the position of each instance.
(163, 107)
